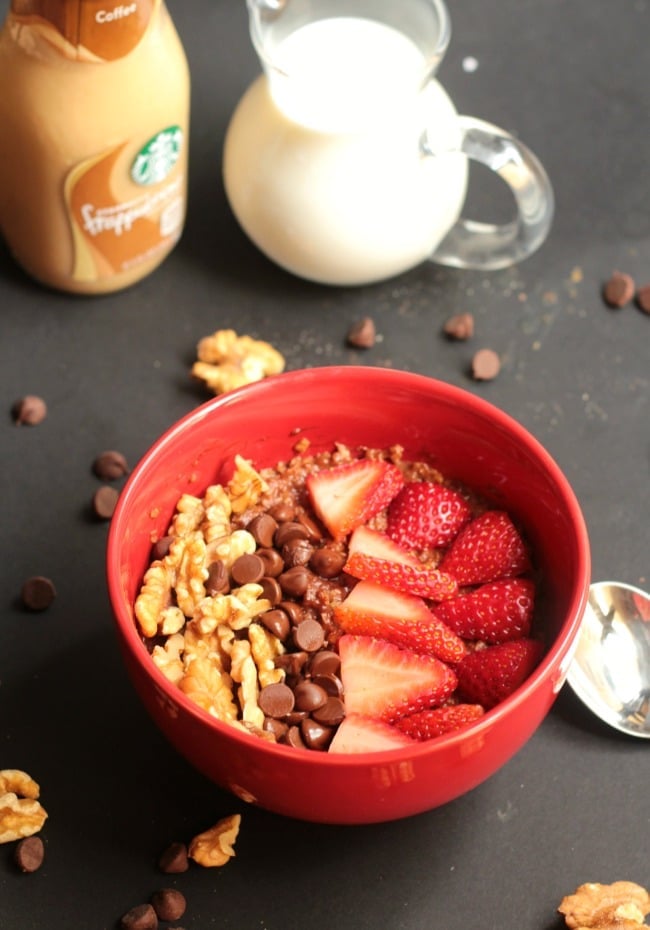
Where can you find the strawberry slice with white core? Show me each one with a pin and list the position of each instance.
(357, 734)
(494, 613)
(486, 549)
(385, 682)
(426, 514)
(375, 610)
(373, 556)
(349, 495)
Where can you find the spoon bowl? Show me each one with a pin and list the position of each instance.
(610, 671)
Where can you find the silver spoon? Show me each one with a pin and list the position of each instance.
(610, 671)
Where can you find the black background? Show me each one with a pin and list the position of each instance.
(572, 80)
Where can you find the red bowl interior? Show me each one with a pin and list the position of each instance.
(465, 437)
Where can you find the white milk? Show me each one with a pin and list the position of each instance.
(324, 167)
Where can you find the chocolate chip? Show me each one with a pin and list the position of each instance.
(486, 365)
(262, 529)
(314, 532)
(293, 738)
(327, 562)
(276, 622)
(247, 569)
(362, 334)
(331, 684)
(294, 611)
(38, 593)
(643, 298)
(273, 562)
(161, 548)
(140, 917)
(218, 580)
(289, 531)
(309, 696)
(174, 859)
(282, 512)
(29, 854)
(619, 290)
(309, 635)
(297, 552)
(294, 581)
(29, 410)
(315, 735)
(276, 700)
(271, 590)
(460, 326)
(105, 501)
(331, 713)
(277, 727)
(291, 662)
(325, 662)
(169, 903)
(110, 465)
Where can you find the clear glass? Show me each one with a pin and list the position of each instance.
(394, 126)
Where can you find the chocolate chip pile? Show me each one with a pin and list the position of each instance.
(302, 577)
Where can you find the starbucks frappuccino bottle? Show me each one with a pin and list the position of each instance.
(94, 114)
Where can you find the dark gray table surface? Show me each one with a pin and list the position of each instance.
(572, 80)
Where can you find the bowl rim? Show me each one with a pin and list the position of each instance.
(558, 653)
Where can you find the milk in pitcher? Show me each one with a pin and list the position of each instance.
(324, 165)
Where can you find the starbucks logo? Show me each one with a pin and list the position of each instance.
(156, 159)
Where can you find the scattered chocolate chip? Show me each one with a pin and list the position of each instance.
(293, 738)
(169, 903)
(362, 334)
(29, 854)
(174, 859)
(38, 593)
(331, 684)
(309, 635)
(619, 290)
(486, 365)
(282, 512)
(29, 410)
(643, 298)
(276, 700)
(314, 532)
(273, 562)
(325, 662)
(460, 326)
(291, 662)
(110, 465)
(296, 552)
(140, 917)
(277, 727)
(294, 611)
(105, 501)
(288, 531)
(247, 569)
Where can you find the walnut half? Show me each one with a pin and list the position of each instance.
(619, 906)
(215, 847)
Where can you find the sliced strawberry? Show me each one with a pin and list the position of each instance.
(357, 733)
(488, 676)
(348, 495)
(426, 514)
(373, 556)
(495, 613)
(427, 724)
(374, 610)
(382, 681)
(488, 548)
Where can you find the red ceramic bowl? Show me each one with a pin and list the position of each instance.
(466, 438)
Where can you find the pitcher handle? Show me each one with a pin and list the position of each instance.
(489, 246)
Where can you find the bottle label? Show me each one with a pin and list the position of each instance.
(114, 233)
(91, 30)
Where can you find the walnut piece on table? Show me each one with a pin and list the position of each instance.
(215, 847)
(226, 361)
(620, 906)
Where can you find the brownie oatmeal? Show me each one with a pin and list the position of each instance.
(273, 600)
